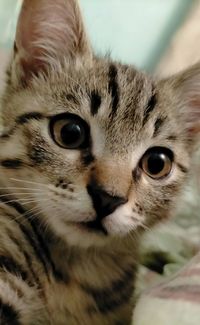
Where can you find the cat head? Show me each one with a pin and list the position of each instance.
(93, 148)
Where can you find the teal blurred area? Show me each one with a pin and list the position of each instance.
(132, 31)
(9, 10)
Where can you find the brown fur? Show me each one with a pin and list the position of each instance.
(79, 276)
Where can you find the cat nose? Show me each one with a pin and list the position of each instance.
(104, 203)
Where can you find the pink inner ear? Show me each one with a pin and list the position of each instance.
(48, 30)
(44, 25)
(194, 115)
(195, 103)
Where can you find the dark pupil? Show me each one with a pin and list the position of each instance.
(71, 134)
(156, 163)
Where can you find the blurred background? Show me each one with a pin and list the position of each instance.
(133, 31)
(161, 37)
(138, 32)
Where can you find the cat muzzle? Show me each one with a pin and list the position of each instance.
(103, 203)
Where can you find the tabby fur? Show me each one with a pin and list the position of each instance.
(53, 271)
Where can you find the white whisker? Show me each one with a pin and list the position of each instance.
(27, 201)
(30, 211)
(20, 216)
(28, 182)
(34, 201)
(21, 188)
(21, 193)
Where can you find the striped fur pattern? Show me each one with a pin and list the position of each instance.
(54, 269)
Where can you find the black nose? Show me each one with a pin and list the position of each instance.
(104, 203)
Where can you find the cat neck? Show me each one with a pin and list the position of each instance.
(81, 262)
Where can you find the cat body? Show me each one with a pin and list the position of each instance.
(41, 284)
(92, 153)
(85, 279)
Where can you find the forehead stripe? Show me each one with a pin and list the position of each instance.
(95, 102)
(150, 106)
(71, 98)
(113, 88)
(158, 125)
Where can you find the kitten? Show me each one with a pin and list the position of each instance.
(92, 153)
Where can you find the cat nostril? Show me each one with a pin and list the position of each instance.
(104, 203)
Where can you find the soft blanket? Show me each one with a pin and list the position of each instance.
(169, 279)
(175, 302)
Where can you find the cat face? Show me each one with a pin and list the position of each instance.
(94, 149)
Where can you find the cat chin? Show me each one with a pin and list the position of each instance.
(98, 233)
(76, 235)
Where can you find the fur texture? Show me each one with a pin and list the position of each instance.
(55, 270)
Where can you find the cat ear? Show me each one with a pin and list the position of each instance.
(47, 32)
(187, 86)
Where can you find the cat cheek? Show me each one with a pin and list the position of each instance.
(72, 207)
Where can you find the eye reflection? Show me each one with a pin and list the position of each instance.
(157, 162)
(69, 131)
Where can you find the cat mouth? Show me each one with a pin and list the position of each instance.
(95, 226)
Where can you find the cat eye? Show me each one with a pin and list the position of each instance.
(69, 131)
(157, 162)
